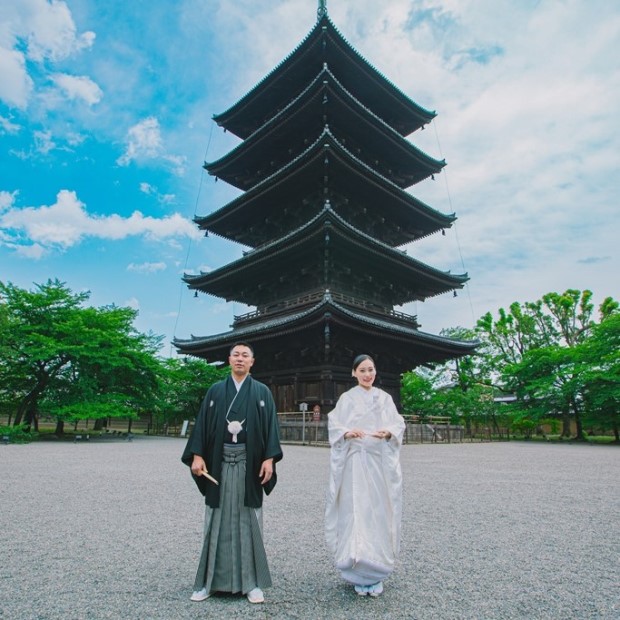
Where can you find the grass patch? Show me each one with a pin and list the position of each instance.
(593, 439)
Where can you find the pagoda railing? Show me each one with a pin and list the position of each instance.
(314, 297)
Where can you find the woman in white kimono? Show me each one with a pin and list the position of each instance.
(364, 497)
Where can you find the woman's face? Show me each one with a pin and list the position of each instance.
(365, 374)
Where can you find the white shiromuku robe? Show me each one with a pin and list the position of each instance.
(364, 496)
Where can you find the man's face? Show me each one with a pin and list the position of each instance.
(241, 360)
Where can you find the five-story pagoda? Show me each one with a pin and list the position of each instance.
(324, 165)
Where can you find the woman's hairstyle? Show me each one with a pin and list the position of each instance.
(361, 358)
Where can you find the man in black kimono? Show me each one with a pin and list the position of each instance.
(232, 452)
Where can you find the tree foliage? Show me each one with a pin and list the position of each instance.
(183, 384)
(556, 357)
(68, 361)
(62, 359)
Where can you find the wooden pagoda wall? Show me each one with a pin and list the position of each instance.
(322, 386)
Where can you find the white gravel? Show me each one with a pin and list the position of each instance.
(112, 529)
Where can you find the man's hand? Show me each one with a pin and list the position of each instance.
(198, 465)
(266, 471)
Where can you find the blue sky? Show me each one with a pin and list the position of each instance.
(105, 120)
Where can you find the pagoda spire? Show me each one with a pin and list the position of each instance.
(322, 10)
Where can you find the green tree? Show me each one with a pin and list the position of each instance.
(73, 362)
(546, 352)
(37, 324)
(506, 339)
(459, 388)
(416, 394)
(183, 385)
(599, 357)
(115, 373)
(536, 354)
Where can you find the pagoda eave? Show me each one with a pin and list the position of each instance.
(324, 102)
(252, 278)
(324, 45)
(299, 185)
(332, 324)
(244, 173)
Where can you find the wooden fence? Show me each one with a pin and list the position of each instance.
(297, 428)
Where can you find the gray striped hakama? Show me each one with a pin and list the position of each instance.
(233, 557)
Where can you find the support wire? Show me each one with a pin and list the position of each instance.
(189, 244)
(454, 225)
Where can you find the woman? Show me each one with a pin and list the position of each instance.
(364, 497)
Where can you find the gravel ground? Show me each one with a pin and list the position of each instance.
(490, 531)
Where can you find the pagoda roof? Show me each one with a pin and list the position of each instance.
(345, 324)
(324, 45)
(328, 252)
(324, 102)
(325, 170)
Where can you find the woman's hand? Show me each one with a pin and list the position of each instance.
(382, 435)
(355, 433)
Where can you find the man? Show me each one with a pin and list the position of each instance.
(232, 452)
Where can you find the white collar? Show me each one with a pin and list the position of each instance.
(238, 384)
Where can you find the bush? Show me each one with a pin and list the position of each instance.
(16, 434)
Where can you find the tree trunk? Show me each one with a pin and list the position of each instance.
(60, 427)
(32, 418)
(98, 424)
(129, 425)
(495, 425)
(579, 425)
(565, 423)
(19, 414)
(29, 404)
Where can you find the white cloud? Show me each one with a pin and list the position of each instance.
(15, 85)
(37, 31)
(144, 142)
(74, 139)
(66, 223)
(78, 87)
(133, 303)
(7, 200)
(7, 126)
(178, 163)
(146, 267)
(151, 190)
(52, 33)
(201, 269)
(43, 142)
(34, 251)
